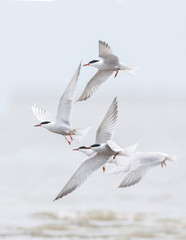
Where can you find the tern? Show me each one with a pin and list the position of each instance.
(138, 165)
(103, 154)
(106, 131)
(109, 64)
(62, 123)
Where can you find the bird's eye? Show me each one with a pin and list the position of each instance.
(95, 145)
(94, 61)
(46, 122)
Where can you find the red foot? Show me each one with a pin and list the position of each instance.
(163, 163)
(115, 155)
(68, 141)
(117, 72)
(70, 136)
(103, 168)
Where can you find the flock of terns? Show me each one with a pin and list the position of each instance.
(126, 160)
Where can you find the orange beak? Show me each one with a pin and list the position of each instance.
(86, 64)
(76, 149)
(88, 147)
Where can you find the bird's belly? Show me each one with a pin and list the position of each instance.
(109, 66)
(63, 130)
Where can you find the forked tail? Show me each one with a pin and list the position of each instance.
(130, 70)
(172, 158)
(79, 133)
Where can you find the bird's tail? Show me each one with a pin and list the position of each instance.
(79, 133)
(172, 158)
(130, 70)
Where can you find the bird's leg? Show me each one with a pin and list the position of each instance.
(103, 168)
(117, 72)
(70, 136)
(115, 155)
(163, 163)
(68, 141)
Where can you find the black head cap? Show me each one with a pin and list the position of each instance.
(95, 145)
(83, 147)
(94, 61)
(46, 122)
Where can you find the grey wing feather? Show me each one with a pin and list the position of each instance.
(82, 173)
(95, 82)
(41, 114)
(106, 129)
(64, 111)
(114, 147)
(137, 174)
(106, 52)
(130, 150)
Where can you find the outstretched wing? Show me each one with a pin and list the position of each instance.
(143, 162)
(64, 111)
(106, 52)
(95, 82)
(82, 173)
(136, 175)
(106, 128)
(135, 160)
(42, 114)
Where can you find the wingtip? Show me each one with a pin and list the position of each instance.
(55, 199)
(33, 108)
(33, 105)
(80, 65)
(80, 99)
(116, 100)
(123, 186)
(102, 42)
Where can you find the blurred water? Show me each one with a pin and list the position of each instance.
(35, 164)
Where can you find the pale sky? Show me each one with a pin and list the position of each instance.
(42, 43)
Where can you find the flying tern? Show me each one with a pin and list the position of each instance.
(103, 153)
(109, 64)
(61, 124)
(138, 165)
(106, 129)
(105, 133)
